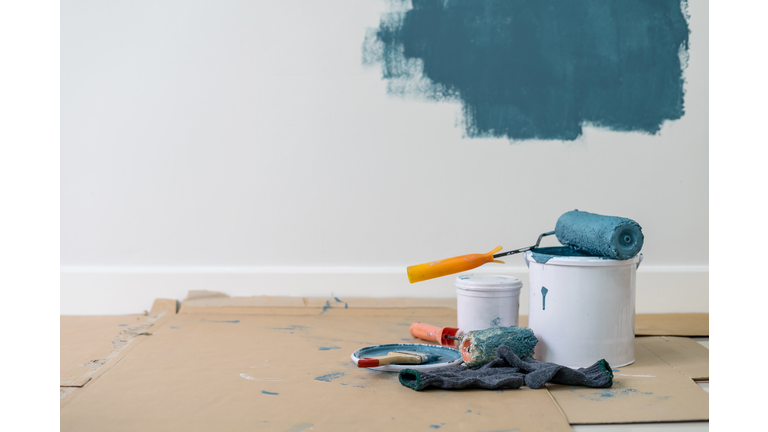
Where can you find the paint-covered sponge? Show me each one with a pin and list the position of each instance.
(606, 236)
(478, 347)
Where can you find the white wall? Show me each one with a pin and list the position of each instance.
(241, 146)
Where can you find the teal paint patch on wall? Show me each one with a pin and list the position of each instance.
(539, 69)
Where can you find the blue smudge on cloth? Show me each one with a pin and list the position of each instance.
(328, 348)
(269, 393)
(539, 69)
(212, 321)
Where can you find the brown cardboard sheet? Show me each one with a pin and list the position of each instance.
(225, 364)
(649, 390)
(80, 336)
(273, 371)
(208, 299)
(689, 324)
(683, 354)
(90, 345)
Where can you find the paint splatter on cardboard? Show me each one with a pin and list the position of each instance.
(330, 377)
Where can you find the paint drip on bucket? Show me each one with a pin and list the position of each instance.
(594, 315)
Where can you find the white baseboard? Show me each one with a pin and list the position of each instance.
(128, 290)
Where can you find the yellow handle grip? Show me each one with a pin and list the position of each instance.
(434, 269)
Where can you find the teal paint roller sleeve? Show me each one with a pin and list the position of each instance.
(608, 236)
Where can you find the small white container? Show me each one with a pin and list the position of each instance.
(582, 309)
(484, 301)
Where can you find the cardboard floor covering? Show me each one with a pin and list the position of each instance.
(287, 367)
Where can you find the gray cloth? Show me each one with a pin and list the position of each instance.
(537, 373)
(507, 371)
(459, 377)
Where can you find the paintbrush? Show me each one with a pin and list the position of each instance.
(397, 357)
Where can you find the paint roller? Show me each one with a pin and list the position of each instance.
(590, 234)
(478, 347)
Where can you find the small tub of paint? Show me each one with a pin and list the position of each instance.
(485, 300)
(581, 307)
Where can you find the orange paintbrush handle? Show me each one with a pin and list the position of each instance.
(431, 270)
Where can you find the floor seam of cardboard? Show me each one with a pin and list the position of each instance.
(552, 398)
(68, 392)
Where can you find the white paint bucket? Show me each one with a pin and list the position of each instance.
(582, 309)
(484, 301)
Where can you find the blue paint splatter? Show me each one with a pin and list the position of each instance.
(346, 306)
(326, 307)
(337, 299)
(300, 427)
(290, 327)
(436, 426)
(539, 69)
(173, 328)
(544, 292)
(469, 411)
(330, 377)
(122, 325)
(269, 393)
(615, 394)
(329, 348)
(231, 322)
(496, 322)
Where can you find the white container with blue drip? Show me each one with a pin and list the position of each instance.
(582, 308)
(487, 300)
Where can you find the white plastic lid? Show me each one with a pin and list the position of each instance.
(488, 282)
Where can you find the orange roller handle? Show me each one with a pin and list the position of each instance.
(434, 269)
(434, 334)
